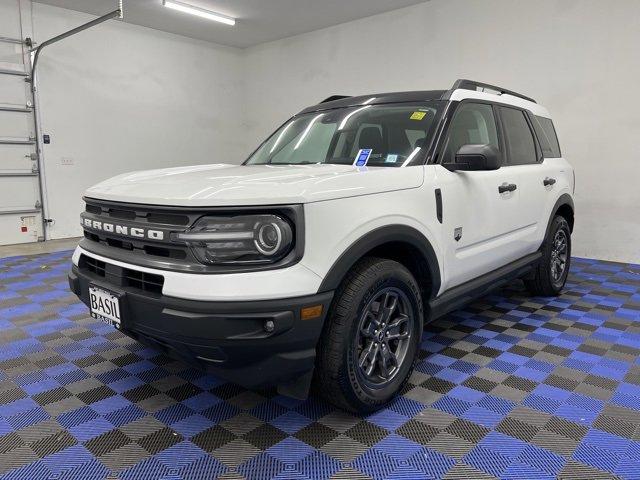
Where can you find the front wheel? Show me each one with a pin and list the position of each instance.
(551, 273)
(369, 345)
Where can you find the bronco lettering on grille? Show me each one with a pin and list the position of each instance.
(122, 229)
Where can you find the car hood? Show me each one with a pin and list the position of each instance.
(222, 184)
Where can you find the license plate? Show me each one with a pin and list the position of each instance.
(104, 305)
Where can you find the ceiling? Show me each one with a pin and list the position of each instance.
(258, 21)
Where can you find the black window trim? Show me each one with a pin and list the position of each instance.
(536, 141)
(435, 157)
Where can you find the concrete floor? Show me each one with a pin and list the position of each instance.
(49, 246)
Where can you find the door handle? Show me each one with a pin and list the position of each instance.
(507, 187)
(548, 181)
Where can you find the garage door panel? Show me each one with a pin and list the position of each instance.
(10, 19)
(18, 192)
(15, 124)
(13, 90)
(20, 228)
(11, 54)
(16, 158)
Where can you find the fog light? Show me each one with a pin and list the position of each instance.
(308, 313)
(269, 326)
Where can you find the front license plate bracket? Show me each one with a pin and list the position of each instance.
(105, 305)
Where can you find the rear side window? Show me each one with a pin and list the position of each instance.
(547, 135)
(521, 146)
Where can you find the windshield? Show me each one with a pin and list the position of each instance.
(372, 135)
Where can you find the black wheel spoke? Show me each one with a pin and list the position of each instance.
(396, 329)
(369, 330)
(388, 362)
(368, 356)
(372, 357)
(389, 305)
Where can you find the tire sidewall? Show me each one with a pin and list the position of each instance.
(396, 276)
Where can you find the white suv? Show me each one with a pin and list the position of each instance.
(322, 256)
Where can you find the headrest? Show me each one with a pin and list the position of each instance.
(370, 137)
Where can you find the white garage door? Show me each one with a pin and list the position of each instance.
(20, 209)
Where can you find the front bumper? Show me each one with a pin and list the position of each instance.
(227, 338)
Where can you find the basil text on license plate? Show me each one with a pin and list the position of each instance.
(104, 305)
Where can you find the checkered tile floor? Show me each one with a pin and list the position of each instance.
(510, 387)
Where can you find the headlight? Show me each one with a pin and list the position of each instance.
(240, 239)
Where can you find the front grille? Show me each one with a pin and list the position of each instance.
(143, 216)
(122, 277)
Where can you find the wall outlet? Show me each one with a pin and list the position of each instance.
(66, 161)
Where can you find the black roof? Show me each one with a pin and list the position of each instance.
(339, 101)
(378, 98)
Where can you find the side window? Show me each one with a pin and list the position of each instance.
(472, 123)
(547, 135)
(521, 146)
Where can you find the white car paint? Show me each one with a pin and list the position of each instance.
(344, 203)
(235, 185)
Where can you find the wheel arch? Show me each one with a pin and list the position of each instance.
(401, 243)
(565, 208)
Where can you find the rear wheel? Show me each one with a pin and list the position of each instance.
(369, 344)
(550, 275)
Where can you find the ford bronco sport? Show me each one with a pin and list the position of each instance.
(321, 257)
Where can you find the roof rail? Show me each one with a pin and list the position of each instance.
(473, 85)
(334, 97)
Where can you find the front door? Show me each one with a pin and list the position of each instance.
(481, 220)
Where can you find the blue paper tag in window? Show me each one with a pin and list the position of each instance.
(391, 158)
(363, 157)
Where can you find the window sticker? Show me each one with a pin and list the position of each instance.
(391, 158)
(363, 157)
(418, 115)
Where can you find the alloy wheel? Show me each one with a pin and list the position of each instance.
(559, 255)
(384, 334)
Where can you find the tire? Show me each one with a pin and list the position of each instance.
(356, 330)
(546, 280)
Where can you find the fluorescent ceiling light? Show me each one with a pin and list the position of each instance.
(200, 12)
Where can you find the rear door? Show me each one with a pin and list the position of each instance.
(525, 159)
(479, 221)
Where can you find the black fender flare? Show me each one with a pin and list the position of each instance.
(375, 238)
(565, 199)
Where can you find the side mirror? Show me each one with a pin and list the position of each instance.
(475, 157)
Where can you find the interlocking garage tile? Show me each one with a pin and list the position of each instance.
(510, 387)
(235, 453)
(318, 435)
(241, 424)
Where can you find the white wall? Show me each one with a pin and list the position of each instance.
(120, 97)
(579, 58)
